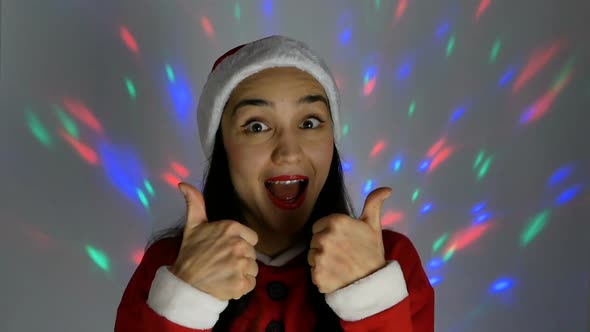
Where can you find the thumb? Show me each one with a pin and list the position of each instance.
(372, 209)
(195, 208)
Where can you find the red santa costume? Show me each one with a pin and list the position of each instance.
(398, 297)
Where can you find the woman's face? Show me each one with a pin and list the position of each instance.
(277, 133)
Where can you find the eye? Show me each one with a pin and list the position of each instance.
(255, 126)
(311, 123)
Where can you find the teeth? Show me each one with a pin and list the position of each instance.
(286, 182)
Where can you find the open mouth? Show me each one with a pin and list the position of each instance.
(287, 192)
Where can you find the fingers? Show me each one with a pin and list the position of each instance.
(250, 285)
(251, 268)
(373, 204)
(195, 206)
(244, 232)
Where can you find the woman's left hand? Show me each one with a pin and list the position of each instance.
(344, 250)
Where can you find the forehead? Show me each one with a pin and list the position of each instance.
(278, 77)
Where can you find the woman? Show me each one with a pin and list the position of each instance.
(272, 243)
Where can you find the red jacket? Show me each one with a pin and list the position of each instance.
(397, 298)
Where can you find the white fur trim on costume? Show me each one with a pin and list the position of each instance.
(370, 295)
(275, 51)
(182, 304)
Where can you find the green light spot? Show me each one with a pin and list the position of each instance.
(534, 227)
(38, 129)
(98, 257)
(439, 242)
(479, 158)
(142, 198)
(449, 254)
(67, 122)
(450, 45)
(130, 88)
(170, 73)
(565, 72)
(412, 108)
(415, 195)
(148, 187)
(377, 4)
(484, 168)
(495, 50)
(237, 11)
(345, 129)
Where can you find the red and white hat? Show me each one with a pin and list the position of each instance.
(245, 60)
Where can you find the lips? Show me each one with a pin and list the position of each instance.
(287, 191)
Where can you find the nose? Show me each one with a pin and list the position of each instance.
(287, 149)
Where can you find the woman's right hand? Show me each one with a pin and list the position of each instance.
(217, 258)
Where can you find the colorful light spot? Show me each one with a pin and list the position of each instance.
(130, 88)
(439, 242)
(501, 285)
(37, 128)
(98, 257)
(534, 227)
(495, 50)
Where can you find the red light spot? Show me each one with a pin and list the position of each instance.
(86, 152)
(207, 26)
(440, 158)
(537, 61)
(466, 237)
(391, 217)
(377, 148)
(82, 113)
(128, 39)
(137, 256)
(179, 169)
(436, 147)
(171, 179)
(401, 8)
(483, 5)
(369, 87)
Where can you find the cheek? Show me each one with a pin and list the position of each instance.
(322, 158)
(244, 164)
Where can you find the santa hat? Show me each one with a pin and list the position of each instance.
(245, 60)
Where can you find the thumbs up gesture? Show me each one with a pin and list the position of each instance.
(344, 249)
(218, 257)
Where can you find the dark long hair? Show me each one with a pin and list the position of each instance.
(221, 202)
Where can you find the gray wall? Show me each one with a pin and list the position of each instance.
(76, 146)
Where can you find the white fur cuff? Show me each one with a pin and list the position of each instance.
(183, 304)
(370, 295)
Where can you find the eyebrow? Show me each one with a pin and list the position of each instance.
(309, 99)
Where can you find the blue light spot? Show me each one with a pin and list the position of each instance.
(435, 262)
(345, 36)
(424, 165)
(123, 168)
(481, 218)
(181, 97)
(434, 280)
(368, 187)
(526, 116)
(268, 8)
(426, 208)
(396, 165)
(478, 207)
(346, 166)
(561, 174)
(442, 30)
(501, 285)
(507, 77)
(404, 70)
(457, 114)
(369, 74)
(568, 195)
